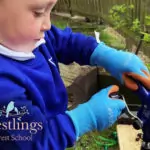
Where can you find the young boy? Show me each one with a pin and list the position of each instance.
(33, 98)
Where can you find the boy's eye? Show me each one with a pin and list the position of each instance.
(38, 13)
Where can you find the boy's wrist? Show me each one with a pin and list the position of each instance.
(101, 54)
(83, 119)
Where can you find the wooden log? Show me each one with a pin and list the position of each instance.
(127, 137)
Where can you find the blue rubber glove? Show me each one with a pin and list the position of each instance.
(118, 63)
(100, 112)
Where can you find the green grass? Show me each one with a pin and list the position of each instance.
(89, 140)
(60, 23)
(111, 41)
(88, 30)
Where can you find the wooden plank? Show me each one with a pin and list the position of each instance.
(127, 137)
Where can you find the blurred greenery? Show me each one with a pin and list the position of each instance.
(88, 29)
(88, 141)
(148, 66)
(60, 23)
(111, 40)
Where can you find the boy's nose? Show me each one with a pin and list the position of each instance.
(46, 24)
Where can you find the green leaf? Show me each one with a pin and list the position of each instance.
(146, 37)
(147, 20)
(136, 27)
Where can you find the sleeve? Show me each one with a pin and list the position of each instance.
(23, 125)
(70, 46)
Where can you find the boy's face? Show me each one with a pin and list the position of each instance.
(23, 22)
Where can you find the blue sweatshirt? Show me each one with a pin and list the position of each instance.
(33, 98)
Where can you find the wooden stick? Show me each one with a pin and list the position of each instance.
(127, 137)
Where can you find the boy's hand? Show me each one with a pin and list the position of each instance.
(100, 112)
(121, 65)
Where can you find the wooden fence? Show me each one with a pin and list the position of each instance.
(100, 8)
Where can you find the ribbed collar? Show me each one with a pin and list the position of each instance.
(20, 56)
